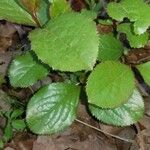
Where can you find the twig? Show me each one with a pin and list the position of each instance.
(114, 136)
(140, 139)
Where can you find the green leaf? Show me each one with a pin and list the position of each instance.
(137, 11)
(67, 45)
(16, 113)
(136, 41)
(42, 13)
(52, 108)
(8, 132)
(18, 124)
(11, 11)
(110, 84)
(59, 7)
(145, 71)
(24, 71)
(124, 115)
(109, 48)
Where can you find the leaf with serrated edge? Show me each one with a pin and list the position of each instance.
(11, 11)
(109, 48)
(67, 45)
(110, 84)
(52, 108)
(24, 71)
(145, 71)
(125, 115)
(136, 41)
(137, 11)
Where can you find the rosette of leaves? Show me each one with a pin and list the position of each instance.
(69, 42)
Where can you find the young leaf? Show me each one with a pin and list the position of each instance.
(137, 11)
(59, 7)
(16, 113)
(52, 108)
(24, 71)
(11, 11)
(18, 124)
(145, 71)
(110, 84)
(65, 44)
(109, 48)
(124, 115)
(136, 41)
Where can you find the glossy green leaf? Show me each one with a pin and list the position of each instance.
(67, 45)
(59, 7)
(137, 11)
(53, 108)
(145, 71)
(109, 48)
(18, 124)
(24, 71)
(110, 84)
(11, 11)
(136, 41)
(125, 115)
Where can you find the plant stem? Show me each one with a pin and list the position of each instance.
(114, 136)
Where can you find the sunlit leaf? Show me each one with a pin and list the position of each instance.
(67, 45)
(110, 84)
(11, 11)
